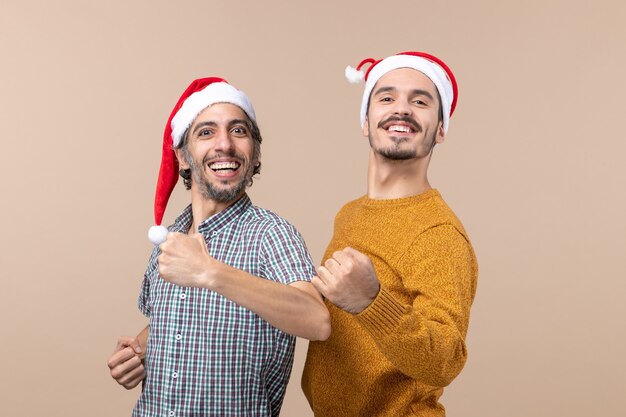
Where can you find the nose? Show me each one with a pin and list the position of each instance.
(224, 141)
(402, 107)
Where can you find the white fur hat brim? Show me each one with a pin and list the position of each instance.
(220, 92)
(433, 71)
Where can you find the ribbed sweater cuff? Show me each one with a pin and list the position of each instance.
(383, 315)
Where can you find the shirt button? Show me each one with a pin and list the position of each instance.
(183, 296)
(214, 234)
(175, 375)
(171, 414)
(179, 336)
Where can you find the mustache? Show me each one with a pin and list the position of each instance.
(233, 154)
(406, 119)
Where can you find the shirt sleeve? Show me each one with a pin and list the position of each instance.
(426, 339)
(285, 257)
(143, 301)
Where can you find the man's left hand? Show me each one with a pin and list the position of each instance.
(185, 260)
(348, 280)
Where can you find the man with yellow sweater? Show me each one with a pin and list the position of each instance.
(399, 275)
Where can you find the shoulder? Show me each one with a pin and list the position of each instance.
(283, 251)
(445, 235)
(438, 217)
(354, 204)
(441, 251)
(267, 218)
(267, 223)
(351, 207)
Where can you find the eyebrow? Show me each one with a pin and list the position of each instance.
(204, 124)
(210, 123)
(416, 92)
(237, 122)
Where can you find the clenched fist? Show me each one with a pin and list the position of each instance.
(185, 260)
(348, 280)
(126, 362)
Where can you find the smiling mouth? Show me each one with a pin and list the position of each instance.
(223, 167)
(401, 125)
(399, 129)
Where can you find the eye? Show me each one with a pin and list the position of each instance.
(205, 132)
(240, 131)
(386, 99)
(421, 101)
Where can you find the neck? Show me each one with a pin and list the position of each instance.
(203, 208)
(388, 179)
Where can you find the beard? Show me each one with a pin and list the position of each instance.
(212, 191)
(396, 152)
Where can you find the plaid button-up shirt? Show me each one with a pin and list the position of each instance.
(206, 355)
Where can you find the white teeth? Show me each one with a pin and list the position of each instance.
(399, 128)
(224, 165)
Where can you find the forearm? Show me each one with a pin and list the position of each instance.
(429, 348)
(421, 329)
(296, 309)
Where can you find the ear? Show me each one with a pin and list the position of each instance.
(366, 127)
(182, 163)
(441, 133)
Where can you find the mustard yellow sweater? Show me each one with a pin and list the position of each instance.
(395, 357)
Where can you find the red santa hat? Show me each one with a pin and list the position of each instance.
(431, 66)
(200, 94)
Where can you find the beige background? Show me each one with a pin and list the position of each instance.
(533, 164)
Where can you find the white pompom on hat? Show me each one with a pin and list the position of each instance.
(200, 94)
(431, 66)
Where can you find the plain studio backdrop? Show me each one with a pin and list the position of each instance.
(533, 165)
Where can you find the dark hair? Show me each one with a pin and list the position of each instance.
(255, 132)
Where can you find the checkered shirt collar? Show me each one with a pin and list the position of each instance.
(216, 222)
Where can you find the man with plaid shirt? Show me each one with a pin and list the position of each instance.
(228, 288)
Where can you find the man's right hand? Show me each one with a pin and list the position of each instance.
(126, 362)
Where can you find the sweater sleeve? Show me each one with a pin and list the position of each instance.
(426, 339)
